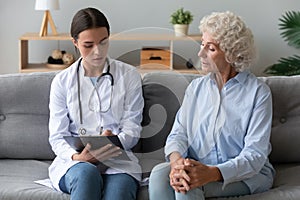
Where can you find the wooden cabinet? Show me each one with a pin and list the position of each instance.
(155, 58)
(26, 66)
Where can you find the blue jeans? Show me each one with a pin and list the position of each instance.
(159, 187)
(84, 182)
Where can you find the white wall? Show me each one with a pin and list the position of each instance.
(18, 17)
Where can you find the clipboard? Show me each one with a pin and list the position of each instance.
(96, 141)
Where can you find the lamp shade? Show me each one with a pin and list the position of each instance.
(46, 5)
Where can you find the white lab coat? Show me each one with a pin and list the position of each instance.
(123, 118)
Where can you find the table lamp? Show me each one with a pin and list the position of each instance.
(47, 5)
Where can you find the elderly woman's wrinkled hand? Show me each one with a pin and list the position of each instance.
(197, 174)
(178, 177)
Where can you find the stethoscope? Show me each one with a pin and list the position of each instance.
(82, 131)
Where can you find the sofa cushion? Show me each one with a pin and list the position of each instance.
(163, 95)
(17, 180)
(24, 116)
(285, 135)
(286, 185)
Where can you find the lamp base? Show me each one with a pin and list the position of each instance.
(44, 28)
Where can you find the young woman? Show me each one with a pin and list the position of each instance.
(95, 96)
(220, 140)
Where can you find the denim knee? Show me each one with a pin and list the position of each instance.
(159, 183)
(79, 176)
(119, 186)
(88, 172)
(161, 172)
(159, 177)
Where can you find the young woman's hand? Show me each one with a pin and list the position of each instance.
(107, 133)
(97, 155)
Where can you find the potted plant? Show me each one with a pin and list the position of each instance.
(181, 19)
(290, 25)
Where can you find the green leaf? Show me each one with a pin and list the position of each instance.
(290, 26)
(285, 67)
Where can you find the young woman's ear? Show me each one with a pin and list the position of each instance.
(75, 42)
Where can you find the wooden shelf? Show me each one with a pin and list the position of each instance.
(153, 37)
(36, 36)
(26, 66)
(37, 67)
(115, 36)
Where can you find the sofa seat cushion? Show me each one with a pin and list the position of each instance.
(17, 181)
(286, 185)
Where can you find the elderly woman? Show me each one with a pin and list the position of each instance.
(220, 140)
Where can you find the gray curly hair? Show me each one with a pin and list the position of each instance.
(234, 38)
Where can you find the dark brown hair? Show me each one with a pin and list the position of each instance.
(88, 18)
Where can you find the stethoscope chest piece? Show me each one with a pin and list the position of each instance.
(82, 131)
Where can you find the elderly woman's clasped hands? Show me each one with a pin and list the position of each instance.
(187, 174)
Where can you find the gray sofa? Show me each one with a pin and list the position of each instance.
(25, 153)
